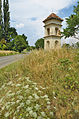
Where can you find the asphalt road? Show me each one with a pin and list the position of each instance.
(6, 60)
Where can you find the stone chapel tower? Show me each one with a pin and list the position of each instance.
(52, 38)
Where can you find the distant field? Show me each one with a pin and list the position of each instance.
(6, 53)
(43, 85)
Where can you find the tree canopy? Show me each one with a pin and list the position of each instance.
(39, 43)
(72, 28)
(19, 43)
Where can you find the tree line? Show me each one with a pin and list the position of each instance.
(9, 38)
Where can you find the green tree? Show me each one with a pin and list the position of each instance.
(12, 33)
(72, 24)
(1, 21)
(6, 15)
(19, 43)
(39, 43)
(25, 38)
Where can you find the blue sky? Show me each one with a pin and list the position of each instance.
(27, 15)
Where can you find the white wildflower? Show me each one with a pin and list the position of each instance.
(53, 93)
(18, 92)
(25, 87)
(11, 94)
(39, 91)
(20, 97)
(47, 99)
(3, 86)
(51, 114)
(48, 107)
(8, 103)
(54, 97)
(48, 103)
(35, 83)
(19, 79)
(43, 114)
(31, 112)
(18, 85)
(18, 107)
(6, 114)
(36, 88)
(36, 96)
(14, 117)
(37, 107)
(55, 108)
(17, 101)
(21, 104)
(16, 75)
(12, 103)
(12, 84)
(27, 78)
(45, 96)
(39, 117)
(3, 107)
(28, 102)
(42, 88)
(8, 106)
(30, 97)
(18, 110)
(34, 114)
(9, 83)
(29, 109)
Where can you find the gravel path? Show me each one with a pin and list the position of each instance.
(6, 60)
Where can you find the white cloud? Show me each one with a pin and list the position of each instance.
(23, 10)
(21, 25)
(38, 8)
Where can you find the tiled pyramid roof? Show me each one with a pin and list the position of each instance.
(53, 16)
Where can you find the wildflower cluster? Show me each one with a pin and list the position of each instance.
(23, 99)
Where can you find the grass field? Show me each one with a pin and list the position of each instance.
(7, 53)
(44, 85)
